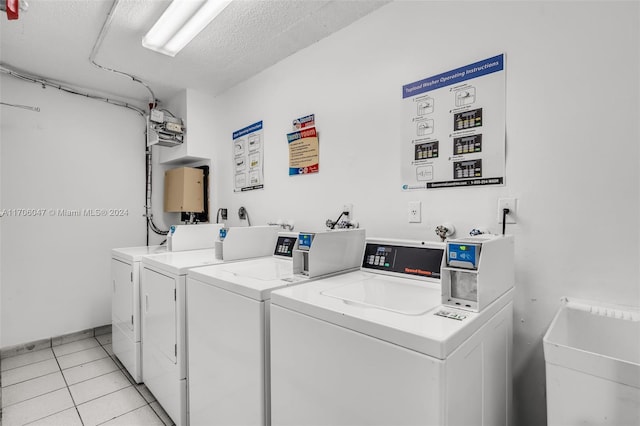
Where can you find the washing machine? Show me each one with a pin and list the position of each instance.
(387, 346)
(228, 323)
(164, 352)
(125, 305)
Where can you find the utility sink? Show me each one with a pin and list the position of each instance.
(592, 355)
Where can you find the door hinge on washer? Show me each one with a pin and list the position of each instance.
(131, 319)
(175, 294)
(132, 277)
(176, 349)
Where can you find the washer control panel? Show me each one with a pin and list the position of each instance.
(451, 314)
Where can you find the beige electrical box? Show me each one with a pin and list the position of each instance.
(183, 190)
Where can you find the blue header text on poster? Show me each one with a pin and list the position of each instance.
(458, 75)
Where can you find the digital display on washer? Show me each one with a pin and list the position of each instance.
(463, 255)
(420, 261)
(284, 246)
(304, 241)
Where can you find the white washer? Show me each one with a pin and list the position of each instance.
(228, 326)
(228, 323)
(372, 347)
(125, 305)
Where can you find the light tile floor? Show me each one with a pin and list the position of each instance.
(78, 383)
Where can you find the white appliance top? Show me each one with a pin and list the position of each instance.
(398, 310)
(179, 262)
(135, 254)
(251, 278)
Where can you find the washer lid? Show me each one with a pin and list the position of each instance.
(251, 278)
(388, 295)
(178, 262)
(135, 254)
(378, 305)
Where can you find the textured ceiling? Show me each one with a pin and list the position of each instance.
(54, 39)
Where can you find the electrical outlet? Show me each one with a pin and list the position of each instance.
(223, 214)
(415, 212)
(512, 205)
(348, 210)
(242, 213)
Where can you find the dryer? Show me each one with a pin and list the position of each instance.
(125, 297)
(163, 311)
(228, 323)
(379, 347)
(125, 305)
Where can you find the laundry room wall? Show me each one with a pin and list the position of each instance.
(75, 154)
(571, 152)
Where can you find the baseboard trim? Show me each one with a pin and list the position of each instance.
(53, 341)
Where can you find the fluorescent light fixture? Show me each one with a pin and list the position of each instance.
(180, 23)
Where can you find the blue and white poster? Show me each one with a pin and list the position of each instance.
(454, 128)
(248, 156)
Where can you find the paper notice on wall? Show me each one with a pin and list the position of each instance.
(304, 151)
(453, 131)
(248, 156)
(304, 122)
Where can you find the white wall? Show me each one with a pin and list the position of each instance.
(76, 153)
(572, 145)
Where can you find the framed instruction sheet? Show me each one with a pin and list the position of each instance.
(453, 132)
(248, 155)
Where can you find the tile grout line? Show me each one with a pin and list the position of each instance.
(57, 412)
(131, 383)
(51, 346)
(48, 343)
(68, 390)
(120, 368)
(67, 386)
(33, 397)
(31, 378)
(56, 358)
(135, 386)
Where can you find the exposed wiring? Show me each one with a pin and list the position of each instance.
(98, 44)
(221, 212)
(244, 214)
(48, 83)
(44, 82)
(148, 190)
(505, 212)
(345, 224)
(27, 107)
(152, 104)
(334, 223)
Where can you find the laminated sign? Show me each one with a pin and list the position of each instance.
(303, 151)
(453, 132)
(248, 156)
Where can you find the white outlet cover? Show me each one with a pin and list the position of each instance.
(414, 212)
(512, 205)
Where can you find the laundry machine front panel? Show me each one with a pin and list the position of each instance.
(322, 373)
(226, 356)
(122, 293)
(159, 307)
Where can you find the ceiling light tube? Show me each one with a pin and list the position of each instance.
(180, 23)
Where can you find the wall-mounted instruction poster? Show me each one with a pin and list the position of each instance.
(453, 131)
(248, 155)
(304, 154)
